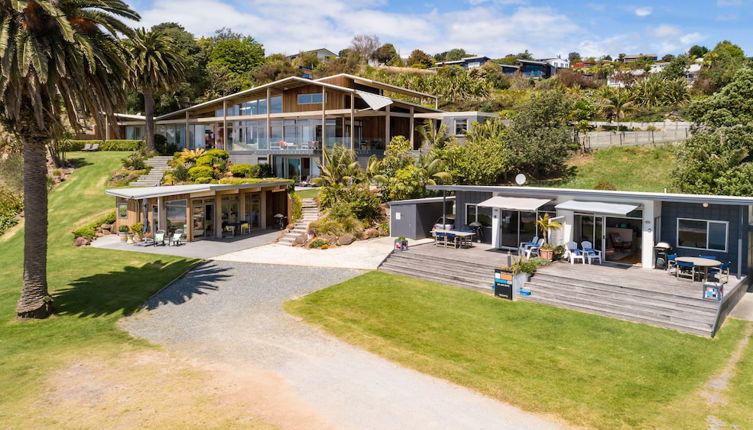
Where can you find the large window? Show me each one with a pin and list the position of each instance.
(479, 214)
(702, 234)
(461, 127)
(176, 214)
(122, 210)
(310, 99)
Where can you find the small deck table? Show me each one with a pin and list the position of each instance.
(705, 263)
(466, 237)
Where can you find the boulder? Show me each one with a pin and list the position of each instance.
(346, 239)
(107, 227)
(363, 236)
(329, 238)
(81, 241)
(301, 239)
(372, 233)
(106, 232)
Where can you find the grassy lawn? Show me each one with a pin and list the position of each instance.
(309, 193)
(93, 288)
(585, 369)
(629, 168)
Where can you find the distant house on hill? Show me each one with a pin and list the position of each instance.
(558, 62)
(323, 54)
(536, 69)
(632, 58)
(466, 63)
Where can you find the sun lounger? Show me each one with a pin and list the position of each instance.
(87, 147)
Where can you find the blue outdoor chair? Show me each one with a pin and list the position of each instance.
(721, 270)
(685, 268)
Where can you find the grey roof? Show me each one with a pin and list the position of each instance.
(171, 190)
(627, 195)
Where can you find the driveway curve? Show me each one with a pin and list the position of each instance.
(231, 313)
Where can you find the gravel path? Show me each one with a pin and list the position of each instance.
(231, 312)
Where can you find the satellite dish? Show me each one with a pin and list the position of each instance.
(520, 179)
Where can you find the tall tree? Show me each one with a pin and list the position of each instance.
(156, 66)
(59, 58)
(364, 45)
(419, 58)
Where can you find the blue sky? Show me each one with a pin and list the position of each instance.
(489, 27)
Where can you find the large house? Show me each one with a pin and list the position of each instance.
(323, 54)
(466, 63)
(280, 123)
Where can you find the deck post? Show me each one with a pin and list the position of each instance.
(145, 203)
(352, 122)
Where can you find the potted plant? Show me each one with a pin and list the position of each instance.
(547, 251)
(123, 232)
(401, 243)
(137, 230)
(545, 225)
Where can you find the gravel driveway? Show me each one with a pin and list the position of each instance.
(231, 312)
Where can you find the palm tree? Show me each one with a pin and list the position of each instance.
(545, 225)
(616, 103)
(157, 66)
(435, 138)
(59, 57)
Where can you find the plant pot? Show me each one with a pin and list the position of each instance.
(123, 236)
(546, 254)
(130, 239)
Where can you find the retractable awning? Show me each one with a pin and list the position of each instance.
(375, 101)
(514, 203)
(598, 207)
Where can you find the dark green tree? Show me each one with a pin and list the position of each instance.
(420, 58)
(697, 51)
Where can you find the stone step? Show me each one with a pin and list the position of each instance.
(486, 288)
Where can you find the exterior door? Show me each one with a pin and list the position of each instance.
(589, 228)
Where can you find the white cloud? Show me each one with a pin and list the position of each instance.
(643, 11)
(666, 30)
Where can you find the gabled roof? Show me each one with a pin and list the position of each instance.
(378, 84)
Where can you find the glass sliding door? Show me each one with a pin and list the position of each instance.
(509, 228)
(589, 228)
(203, 218)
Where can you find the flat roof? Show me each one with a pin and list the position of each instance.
(171, 190)
(595, 194)
(420, 201)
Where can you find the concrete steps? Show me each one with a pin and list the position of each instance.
(309, 213)
(154, 177)
(656, 308)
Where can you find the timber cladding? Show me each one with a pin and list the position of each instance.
(334, 99)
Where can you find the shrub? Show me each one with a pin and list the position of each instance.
(330, 225)
(204, 180)
(318, 243)
(218, 154)
(241, 170)
(123, 229)
(204, 160)
(88, 231)
(297, 206)
(6, 223)
(137, 228)
(200, 172)
(11, 204)
(134, 162)
(252, 180)
(180, 173)
(104, 145)
(264, 170)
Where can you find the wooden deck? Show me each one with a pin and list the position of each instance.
(618, 291)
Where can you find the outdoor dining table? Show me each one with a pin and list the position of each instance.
(705, 263)
(466, 237)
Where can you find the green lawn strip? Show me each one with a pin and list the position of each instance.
(628, 168)
(309, 193)
(586, 369)
(739, 408)
(93, 288)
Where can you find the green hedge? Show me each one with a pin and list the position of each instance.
(197, 172)
(88, 231)
(104, 145)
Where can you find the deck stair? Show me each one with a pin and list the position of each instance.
(649, 304)
(310, 212)
(435, 264)
(154, 177)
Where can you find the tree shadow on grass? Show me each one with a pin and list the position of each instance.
(122, 292)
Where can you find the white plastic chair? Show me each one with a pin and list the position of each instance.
(534, 249)
(589, 251)
(525, 245)
(573, 253)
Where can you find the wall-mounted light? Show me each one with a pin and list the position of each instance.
(705, 205)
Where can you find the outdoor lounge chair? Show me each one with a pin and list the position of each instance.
(534, 249)
(87, 147)
(95, 147)
(177, 238)
(720, 271)
(159, 238)
(573, 253)
(671, 262)
(525, 245)
(590, 253)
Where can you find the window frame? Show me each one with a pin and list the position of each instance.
(310, 99)
(455, 126)
(707, 221)
(475, 215)
(120, 205)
